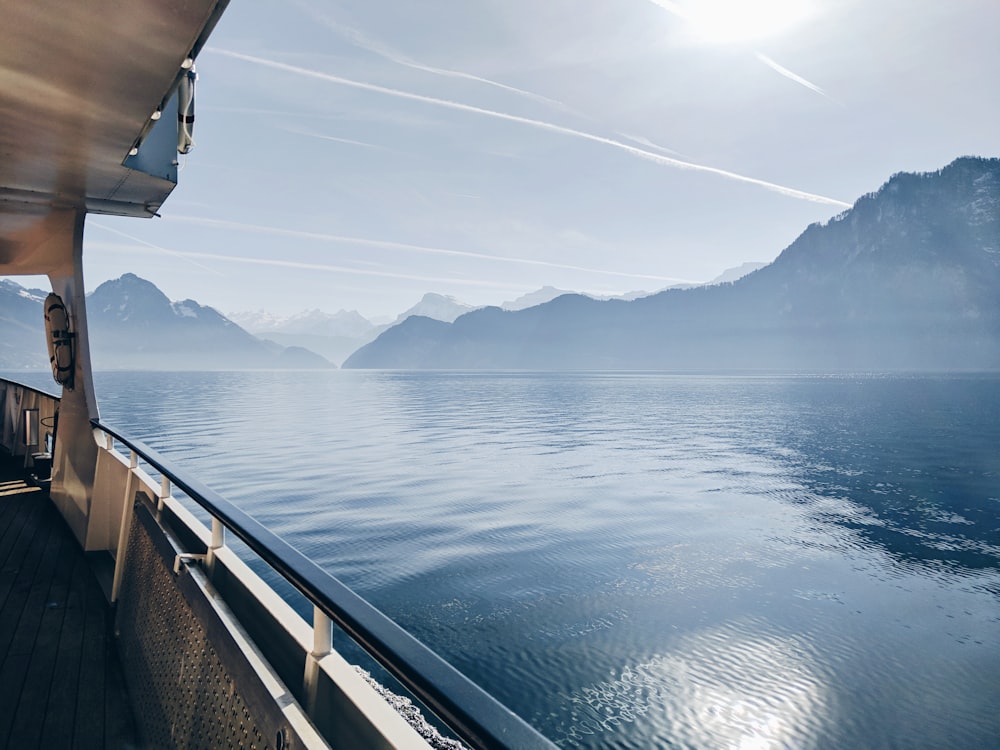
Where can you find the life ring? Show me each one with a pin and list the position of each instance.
(185, 111)
(60, 340)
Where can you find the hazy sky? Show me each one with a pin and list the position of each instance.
(357, 154)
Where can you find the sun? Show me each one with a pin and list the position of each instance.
(728, 22)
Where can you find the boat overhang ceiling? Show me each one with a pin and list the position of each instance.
(79, 85)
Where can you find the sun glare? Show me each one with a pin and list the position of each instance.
(742, 21)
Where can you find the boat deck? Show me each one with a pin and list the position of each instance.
(61, 684)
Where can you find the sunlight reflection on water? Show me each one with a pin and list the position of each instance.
(724, 687)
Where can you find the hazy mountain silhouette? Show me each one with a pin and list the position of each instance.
(907, 279)
(332, 335)
(344, 323)
(338, 335)
(23, 343)
(133, 325)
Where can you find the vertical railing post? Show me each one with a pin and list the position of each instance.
(29, 426)
(125, 527)
(218, 533)
(218, 541)
(16, 420)
(164, 494)
(322, 645)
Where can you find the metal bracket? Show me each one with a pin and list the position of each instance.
(187, 557)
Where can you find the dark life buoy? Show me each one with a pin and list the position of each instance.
(60, 341)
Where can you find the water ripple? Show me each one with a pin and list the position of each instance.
(640, 560)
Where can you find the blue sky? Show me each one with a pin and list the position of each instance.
(357, 155)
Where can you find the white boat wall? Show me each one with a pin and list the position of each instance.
(212, 655)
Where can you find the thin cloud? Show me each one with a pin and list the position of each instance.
(193, 256)
(406, 247)
(335, 139)
(364, 42)
(646, 143)
(680, 12)
(674, 8)
(781, 70)
(540, 124)
(262, 111)
(165, 251)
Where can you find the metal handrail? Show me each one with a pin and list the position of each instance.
(473, 714)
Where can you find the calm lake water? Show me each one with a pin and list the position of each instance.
(640, 560)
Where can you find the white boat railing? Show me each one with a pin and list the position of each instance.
(337, 698)
(471, 713)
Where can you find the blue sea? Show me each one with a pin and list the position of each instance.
(640, 560)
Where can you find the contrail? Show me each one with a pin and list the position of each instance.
(540, 124)
(335, 139)
(361, 40)
(190, 255)
(91, 223)
(674, 8)
(390, 245)
(646, 143)
(680, 12)
(781, 70)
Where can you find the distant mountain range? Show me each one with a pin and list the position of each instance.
(337, 335)
(907, 279)
(133, 325)
(22, 344)
(549, 293)
(334, 336)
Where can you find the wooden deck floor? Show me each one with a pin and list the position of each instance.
(61, 684)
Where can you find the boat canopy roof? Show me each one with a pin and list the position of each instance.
(79, 85)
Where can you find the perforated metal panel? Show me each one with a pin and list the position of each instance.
(190, 685)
